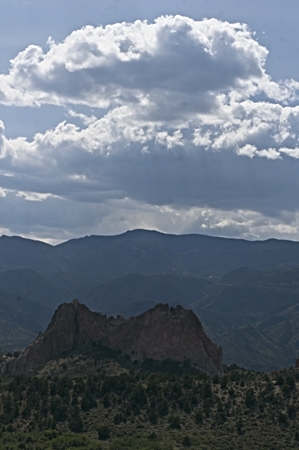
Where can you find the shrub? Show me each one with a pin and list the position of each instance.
(152, 437)
(162, 408)
(250, 400)
(103, 433)
(198, 417)
(186, 441)
(174, 422)
(239, 427)
(75, 424)
(282, 419)
(66, 442)
(153, 417)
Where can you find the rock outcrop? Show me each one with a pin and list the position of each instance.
(160, 333)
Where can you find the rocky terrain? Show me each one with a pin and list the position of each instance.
(245, 294)
(161, 333)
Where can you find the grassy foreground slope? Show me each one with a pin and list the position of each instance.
(101, 400)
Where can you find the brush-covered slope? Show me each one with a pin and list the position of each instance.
(105, 402)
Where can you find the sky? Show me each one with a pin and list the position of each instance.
(178, 116)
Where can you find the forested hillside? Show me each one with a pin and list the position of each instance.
(99, 401)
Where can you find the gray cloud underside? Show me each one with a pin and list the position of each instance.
(186, 132)
(220, 180)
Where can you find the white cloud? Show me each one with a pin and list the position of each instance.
(163, 138)
(34, 196)
(247, 150)
(86, 120)
(293, 152)
(2, 193)
(171, 119)
(270, 153)
(174, 61)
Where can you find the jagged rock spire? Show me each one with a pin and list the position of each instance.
(160, 333)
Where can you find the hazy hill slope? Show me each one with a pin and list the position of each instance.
(130, 256)
(15, 312)
(31, 285)
(17, 253)
(245, 275)
(238, 305)
(13, 337)
(20, 321)
(283, 328)
(70, 285)
(130, 294)
(257, 321)
(255, 349)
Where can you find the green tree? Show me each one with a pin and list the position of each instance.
(103, 433)
(174, 422)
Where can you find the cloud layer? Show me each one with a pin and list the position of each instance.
(173, 125)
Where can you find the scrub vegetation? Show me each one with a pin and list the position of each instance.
(160, 407)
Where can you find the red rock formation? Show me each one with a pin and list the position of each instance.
(159, 333)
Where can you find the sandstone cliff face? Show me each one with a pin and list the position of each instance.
(160, 333)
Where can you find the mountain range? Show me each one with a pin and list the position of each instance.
(245, 293)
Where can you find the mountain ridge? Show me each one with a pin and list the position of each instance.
(129, 273)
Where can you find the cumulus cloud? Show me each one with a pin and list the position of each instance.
(170, 60)
(179, 118)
